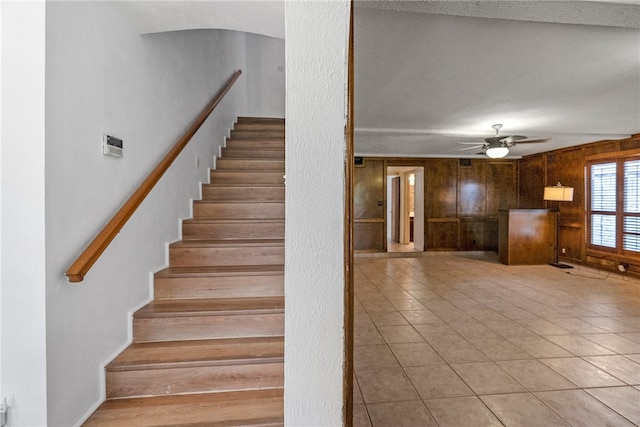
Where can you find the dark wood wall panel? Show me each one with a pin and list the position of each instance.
(502, 191)
(491, 238)
(441, 190)
(472, 235)
(368, 190)
(473, 189)
(442, 235)
(368, 203)
(531, 182)
(369, 236)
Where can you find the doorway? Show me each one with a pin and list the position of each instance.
(405, 209)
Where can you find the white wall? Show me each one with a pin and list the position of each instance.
(265, 76)
(316, 35)
(22, 231)
(102, 77)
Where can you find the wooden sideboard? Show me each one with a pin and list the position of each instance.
(527, 236)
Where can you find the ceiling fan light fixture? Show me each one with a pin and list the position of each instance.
(497, 152)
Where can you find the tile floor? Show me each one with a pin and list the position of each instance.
(462, 340)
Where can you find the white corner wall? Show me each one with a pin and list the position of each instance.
(103, 77)
(22, 228)
(316, 35)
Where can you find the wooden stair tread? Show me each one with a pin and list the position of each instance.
(158, 355)
(248, 171)
(257, 202)
(227, 243)
(225, 270)
(256, 143)
(211, 307)
(233, 221)
(243, 185)
(250, 407)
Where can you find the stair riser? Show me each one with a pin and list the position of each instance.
(249, 134)
(225, 256)
(240, 153)
(219, 287)
(238, 210)
(257, 144)
(276, 120)
(161, 382)
(251, 165)
(233, 231)
(248, 194)
(259, 127)
(235, 177)
(207, 327)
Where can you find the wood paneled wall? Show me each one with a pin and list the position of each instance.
(461, 202)
(567, 166)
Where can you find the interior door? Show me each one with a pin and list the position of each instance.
(395, 209)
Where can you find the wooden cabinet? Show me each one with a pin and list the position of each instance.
(527, 236)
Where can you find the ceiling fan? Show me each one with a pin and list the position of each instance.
(498, 146)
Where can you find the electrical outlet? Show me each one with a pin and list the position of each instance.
(564, 250)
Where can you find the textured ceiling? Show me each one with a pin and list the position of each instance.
(430, 74)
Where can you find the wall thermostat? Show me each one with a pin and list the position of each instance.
(111, 146)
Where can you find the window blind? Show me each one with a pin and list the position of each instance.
(603, 187)
(631, 231)
(603, 230)
(632, 186)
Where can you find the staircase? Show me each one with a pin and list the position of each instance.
(209, 350)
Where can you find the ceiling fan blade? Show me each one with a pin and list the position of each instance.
(470, 143)
(475, 147)
(513, 138)
(494, 139)
(529, 141)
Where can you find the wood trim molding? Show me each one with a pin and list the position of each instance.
(99, 244)
(347, 380)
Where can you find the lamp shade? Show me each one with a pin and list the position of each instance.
(558, 193)
(497, 152)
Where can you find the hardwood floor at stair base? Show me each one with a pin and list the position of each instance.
(208, 327)
(194, 379)
(210, 409)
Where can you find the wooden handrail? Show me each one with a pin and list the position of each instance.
(90, 255)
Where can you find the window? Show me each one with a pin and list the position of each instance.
(614, 205)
